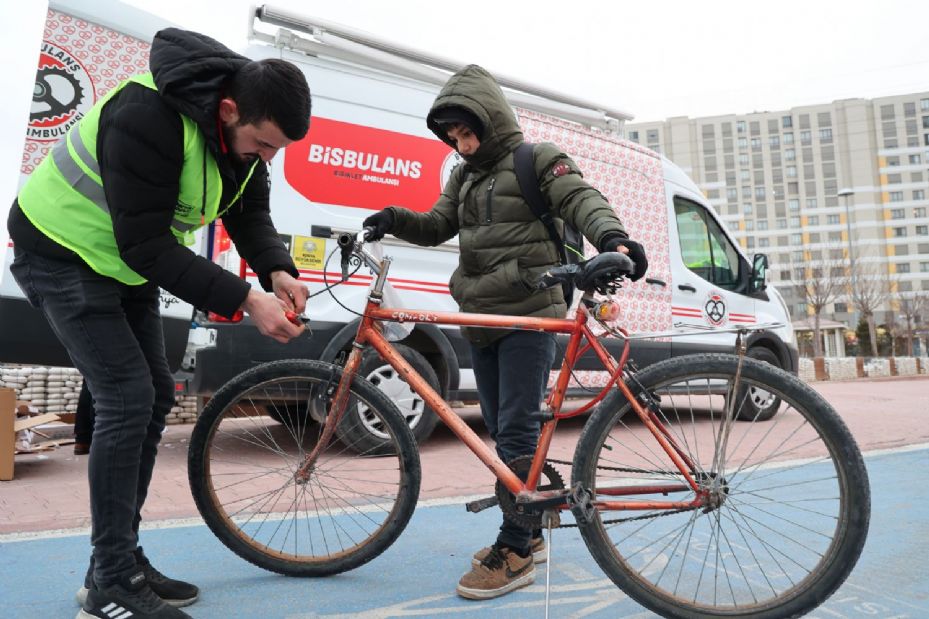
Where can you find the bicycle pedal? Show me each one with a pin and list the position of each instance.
(481, 504)
(581, 504)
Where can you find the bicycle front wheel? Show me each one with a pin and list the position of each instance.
(790, 501)
(254, 435)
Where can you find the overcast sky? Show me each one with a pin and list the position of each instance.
(652, 58)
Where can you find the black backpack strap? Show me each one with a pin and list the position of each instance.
(524, 166)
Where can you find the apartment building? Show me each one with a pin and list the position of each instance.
(817, 185)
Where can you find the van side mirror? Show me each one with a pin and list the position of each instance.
(758, 282)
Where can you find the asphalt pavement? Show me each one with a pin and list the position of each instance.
(40, 571)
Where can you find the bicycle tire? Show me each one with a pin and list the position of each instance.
(813, 497)
(241, 467)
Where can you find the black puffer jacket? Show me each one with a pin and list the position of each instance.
(140, 151)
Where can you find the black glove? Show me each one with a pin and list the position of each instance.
(636, 253)
(382, 223)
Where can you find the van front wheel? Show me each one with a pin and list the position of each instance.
(362, 430)
(756, 404)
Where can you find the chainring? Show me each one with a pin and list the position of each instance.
(523, 515)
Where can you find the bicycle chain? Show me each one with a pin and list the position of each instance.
(630, 518)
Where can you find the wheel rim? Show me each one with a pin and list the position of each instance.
(761, 399)
(249, 467)
(408, 401)
(780, 501)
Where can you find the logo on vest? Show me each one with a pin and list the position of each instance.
(62, 94)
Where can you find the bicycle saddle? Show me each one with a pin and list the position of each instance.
(602, 273)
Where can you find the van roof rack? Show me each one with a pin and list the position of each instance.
(348, 44)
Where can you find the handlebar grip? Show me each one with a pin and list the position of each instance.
(367, 231)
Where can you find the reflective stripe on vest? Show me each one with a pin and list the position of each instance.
(64, 196)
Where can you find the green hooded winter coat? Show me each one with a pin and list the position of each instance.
(503, 247)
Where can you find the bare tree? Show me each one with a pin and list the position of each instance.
(823, 282)
(870, 289)
(913, 308)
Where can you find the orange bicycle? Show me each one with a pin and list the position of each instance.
(701, 503)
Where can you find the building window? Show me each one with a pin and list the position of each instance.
(896, 196)
(732, 194)
(835, 237)
(841, 308)
(922, 230)
(894, 179)
(903, 267)
(832, 219)
(887, 112)
(899, 232)
(915, 159)
(788, 138)
(919, 194)
(743, 160)
(793, 204)
(787, 122)
(897, 213)
(790, 155)
(926, 139)
(781, 224)
(812, 220)
(756, 143)
(924, 104)
(791, 171)
(747, 208)
(774, 141)
(763, 224)
(743, 143)
(811, 203)
(919, 211)
(749, 225)
(909, 109)
(764, 242)
(825, 135)
(634, 136)
(796, 239)
(740, 126)
(759, 193)
(652, 135)
(795, 221)
(893, 161)
(924, 267)
(925, 122)
(806, 137)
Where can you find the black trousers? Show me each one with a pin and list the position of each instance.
(511, 376)
(114, 336)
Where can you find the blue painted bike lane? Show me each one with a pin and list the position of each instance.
(418, 574)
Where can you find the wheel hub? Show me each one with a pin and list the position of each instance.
(715, 489)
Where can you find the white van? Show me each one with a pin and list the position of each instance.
(368, 147)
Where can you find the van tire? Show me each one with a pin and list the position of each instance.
(759, 406)
(360, 433)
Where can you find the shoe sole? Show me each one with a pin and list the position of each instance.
(537, 557)
(81, 596)
(487, 594)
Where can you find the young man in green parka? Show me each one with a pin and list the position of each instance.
(504, 248)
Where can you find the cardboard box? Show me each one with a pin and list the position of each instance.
(9, 426)
(7, 433)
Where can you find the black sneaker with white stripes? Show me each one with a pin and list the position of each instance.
(130, 598)
(175, 592)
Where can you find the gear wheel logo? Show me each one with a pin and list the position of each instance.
(63, 92)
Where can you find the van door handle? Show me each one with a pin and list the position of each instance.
(686, 287)
(655, 282)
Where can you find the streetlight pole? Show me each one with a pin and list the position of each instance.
(845, 194)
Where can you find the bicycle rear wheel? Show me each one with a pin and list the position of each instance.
(792, 501)
(242, 465)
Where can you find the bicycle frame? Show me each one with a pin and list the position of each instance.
(369, 334)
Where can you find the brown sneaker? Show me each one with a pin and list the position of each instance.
(537, 546)
(501, 571)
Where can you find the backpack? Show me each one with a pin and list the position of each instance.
(571, 247)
